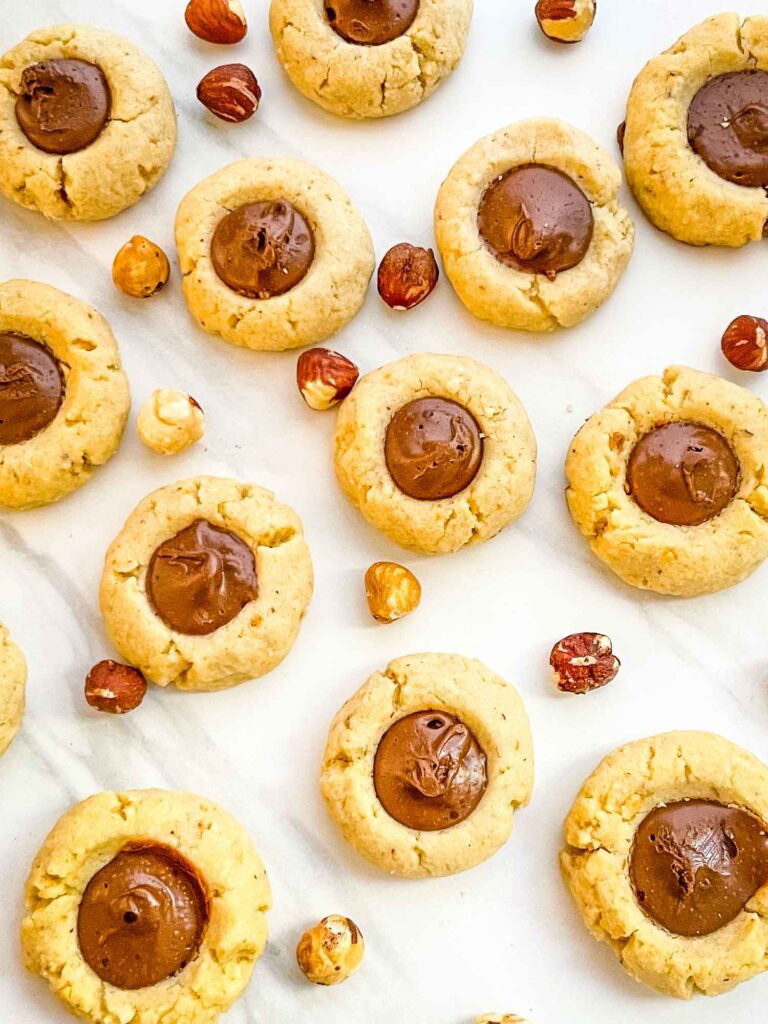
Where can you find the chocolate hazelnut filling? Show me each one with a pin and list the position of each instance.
(696, 864)
(31, 388)
(728, 127)
(201, 579)
(683, 474)
(429, 772)
(63, 105)
(261, 250)
(536, 219)
(433, 448)
(371, 22)
(142, 916)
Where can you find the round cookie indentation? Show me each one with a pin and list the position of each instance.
(142, 917)
(63, 105)
(261, 250)
(31, 387)
(728, 127)
(201, 578)
(695, 864)
(433, 448)
(683, 474)
(367, 23)
(430, 772)
(536, 219)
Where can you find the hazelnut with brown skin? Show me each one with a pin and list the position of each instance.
(565, 21)
(407, 275)
(141, 268)
(115, 688)
(331, 951)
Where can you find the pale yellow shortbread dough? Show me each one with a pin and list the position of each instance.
(488, 705)
(127, 159)
(514, 298)
(13, 682)
(599, 833)
(87, 838)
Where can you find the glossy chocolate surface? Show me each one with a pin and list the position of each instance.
(31, 388)
(262, 250)
(433, 448)
(536, 219)
(63, 105)
(683, 474)
(695, 864)
(429, 772)
(201, 579)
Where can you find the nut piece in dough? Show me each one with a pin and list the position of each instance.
(530, 228)
(341, 65)
(170, 421)
(181, 890)
(125, 159)
(13, 682)
(332, 951)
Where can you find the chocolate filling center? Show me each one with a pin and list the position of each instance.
(695, 864)
(429, 772)
(261, 250)
(142, 916)
(433, 448)
(536, 219)
(683, 474)
(728, 127)
(371, 22)
(31, 388)
(63, 105)
(201, 579)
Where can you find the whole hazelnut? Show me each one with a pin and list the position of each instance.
(565, 21)
(745, 343)
(170, 421)
(325, 377)
(115, 688)
(500, 1018)
(140, 268)
(231, 92)
(407, 275)
(583, 662)
(392, 591)
(217, 21)
(331, 951)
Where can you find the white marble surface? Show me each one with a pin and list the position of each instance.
(504, 936)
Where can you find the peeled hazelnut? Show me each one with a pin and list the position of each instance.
(392, 591)
(231, 92)
(170, 421)
(500, 1018)
(745, 343)
(331, 951)
(583, 662)
(141, 268)
(216, 21)
(325, 377)
(565, 21)
(115, 688)
(407, 275)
